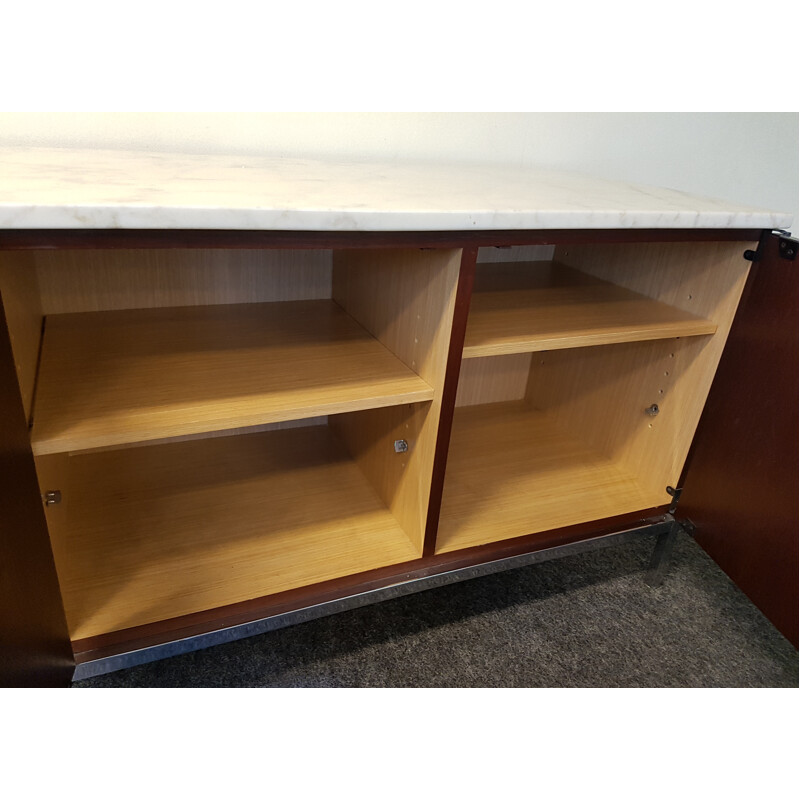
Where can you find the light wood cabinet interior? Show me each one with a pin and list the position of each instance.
(228, 424)
(152, 360)
(555, 430)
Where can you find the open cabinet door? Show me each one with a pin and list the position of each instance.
(34, 643)
(740, 490)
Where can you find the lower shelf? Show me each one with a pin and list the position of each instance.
(511, 472)
(157, 532)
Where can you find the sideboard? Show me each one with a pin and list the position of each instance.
(239, 393)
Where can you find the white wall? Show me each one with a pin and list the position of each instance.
(750, 158)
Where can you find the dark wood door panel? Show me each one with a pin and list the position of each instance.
(741, 486)
(34, 643)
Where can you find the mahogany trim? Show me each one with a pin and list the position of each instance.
(118, 642)
(231, 239)
(458, 332)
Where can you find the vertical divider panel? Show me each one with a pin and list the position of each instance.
(466, 280)
(405, 299)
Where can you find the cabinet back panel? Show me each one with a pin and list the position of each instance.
(530, 252)
(108, 280)
(20, 292)
(494, 379)
(190, 437)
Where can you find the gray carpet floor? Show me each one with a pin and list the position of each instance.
(587, 620)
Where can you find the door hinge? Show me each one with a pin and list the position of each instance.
(675, 494)
(787, 247)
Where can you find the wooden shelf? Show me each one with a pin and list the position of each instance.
(151, 533)
(512, 472)
(527, 307)
(110, 378)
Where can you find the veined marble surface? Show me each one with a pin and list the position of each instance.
(60, 188)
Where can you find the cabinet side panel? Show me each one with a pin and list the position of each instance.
(704, 278)
(398, 478)
(406, 300)
(107, 280)
(600, 395)
(20, 292)
(34, 643)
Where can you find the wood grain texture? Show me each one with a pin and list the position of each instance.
(106, 280)
(158, 532)
(702, 278)
(601, 394)
(114, 377)
(190, 437)
(513, 471)
(493, 379)
(369, 437)
(406, 300)
(534, 306)
(705, 279)
(19, 289)
(156, 633)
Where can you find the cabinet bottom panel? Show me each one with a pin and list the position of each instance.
(153, 533)
(389, 583)
(512, 471)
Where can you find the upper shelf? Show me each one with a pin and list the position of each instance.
(114, 377)
(60, 188)
(527, 307)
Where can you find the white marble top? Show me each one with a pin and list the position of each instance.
(60, 188)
